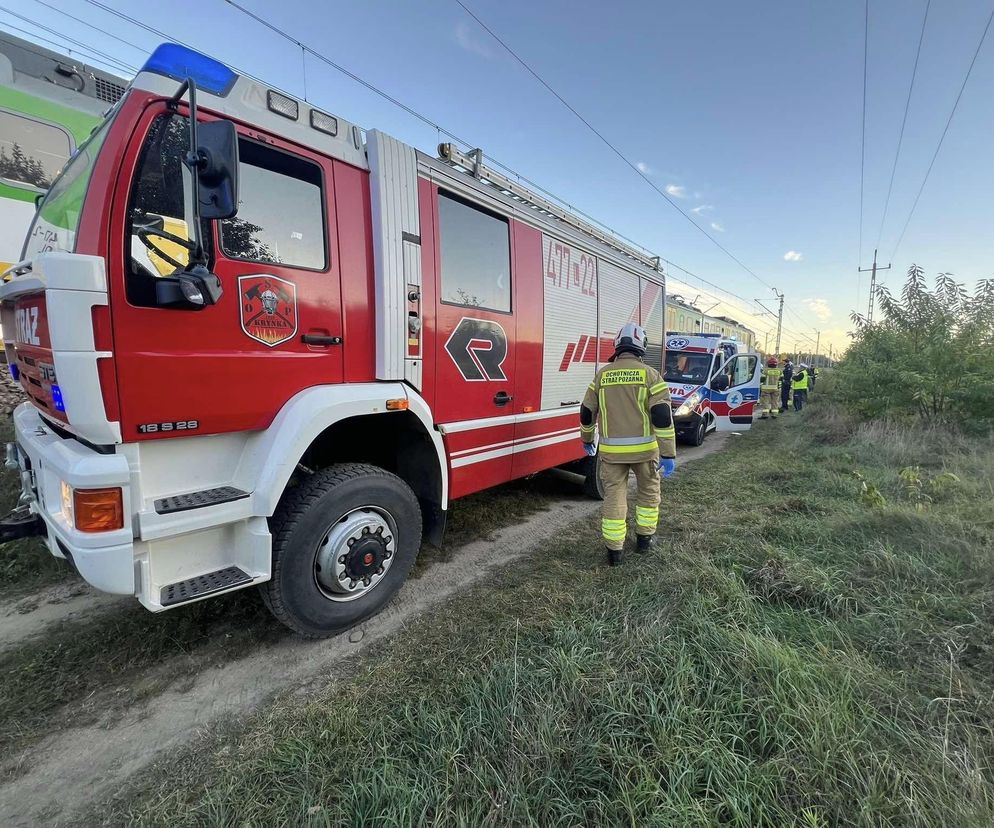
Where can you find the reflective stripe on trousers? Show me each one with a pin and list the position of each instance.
(614, 476)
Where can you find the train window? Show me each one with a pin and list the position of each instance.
(31, 152)
(280, 210)
(476, 256)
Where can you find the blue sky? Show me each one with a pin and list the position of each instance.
(750, 113)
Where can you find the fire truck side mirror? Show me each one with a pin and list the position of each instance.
(217, 152)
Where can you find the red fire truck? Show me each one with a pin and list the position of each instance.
(265, 347)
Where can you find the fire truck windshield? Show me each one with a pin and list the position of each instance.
(687, 368)
(55, 223)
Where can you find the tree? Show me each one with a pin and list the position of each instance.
(931, 355)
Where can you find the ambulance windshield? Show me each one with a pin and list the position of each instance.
(687, 368)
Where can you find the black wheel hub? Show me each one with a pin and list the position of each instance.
(365, 557)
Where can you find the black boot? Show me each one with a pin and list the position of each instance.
(614, 557)
(644, 543)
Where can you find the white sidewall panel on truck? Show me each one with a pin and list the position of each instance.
(571, 288)
(619, 299)
(393, 174)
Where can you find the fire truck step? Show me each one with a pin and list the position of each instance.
(193, 588)
(197, 500)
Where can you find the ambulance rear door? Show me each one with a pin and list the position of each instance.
(733, 404)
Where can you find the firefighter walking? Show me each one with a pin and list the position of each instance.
(628, 404)
(770, 390)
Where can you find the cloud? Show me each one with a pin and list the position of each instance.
(792, 256)
(702, 208)
(820, 308)
(676, 190)
(467, 41)
(717, 226)
(643, 168)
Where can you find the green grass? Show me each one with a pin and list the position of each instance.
(791, 656)
(82, 670)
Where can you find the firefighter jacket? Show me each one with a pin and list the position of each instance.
(771, 379)
(800, 380)
(629, 403)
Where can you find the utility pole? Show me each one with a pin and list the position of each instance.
(817, 346)
(873, 284)
(779, 320)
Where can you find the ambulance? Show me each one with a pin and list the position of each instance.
(714, 385)
(266, 348)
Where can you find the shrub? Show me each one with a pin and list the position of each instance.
(931, 356)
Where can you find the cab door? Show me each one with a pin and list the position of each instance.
(733, 407)
(278, 325)
(475, 370)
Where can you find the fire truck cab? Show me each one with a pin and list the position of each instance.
(264, 347)
(714, 385)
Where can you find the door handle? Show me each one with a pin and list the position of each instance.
(320, 339)
(502, 398)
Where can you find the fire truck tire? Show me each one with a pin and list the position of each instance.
(343, 522)
(593, 487)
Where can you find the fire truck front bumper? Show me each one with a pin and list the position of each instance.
(52, 468)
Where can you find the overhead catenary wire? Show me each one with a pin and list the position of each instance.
(627, 161)
(945, 130)
(79, 20)
(415, 114)
(107, 59)
(61, 46)
(904, 121)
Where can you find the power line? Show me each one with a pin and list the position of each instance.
(62, 47)
(610, 146)
(414, 113)
(108, 59)
(904, 121)
(89, 25)
(942, 138)
(387, 97)
(862, 140)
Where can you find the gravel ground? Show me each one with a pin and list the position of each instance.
(11, 394)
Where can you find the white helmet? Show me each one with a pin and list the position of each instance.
(631, 337)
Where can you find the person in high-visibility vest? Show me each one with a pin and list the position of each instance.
(770, 390)
(785, 380)
(628, 404)
(800, 384)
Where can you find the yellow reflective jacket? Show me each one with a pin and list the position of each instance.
(630, 407)
(771, 379)
(800, 381)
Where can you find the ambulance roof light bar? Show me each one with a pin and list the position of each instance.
(472, 162)
(179, 63)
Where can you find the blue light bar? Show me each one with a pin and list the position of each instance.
(57, 400)
(179, 63)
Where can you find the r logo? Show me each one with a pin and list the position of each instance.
(478, 347)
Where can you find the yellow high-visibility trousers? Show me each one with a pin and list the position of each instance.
(614, 513)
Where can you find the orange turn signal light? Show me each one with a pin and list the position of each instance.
(398, 405)
(98, 510)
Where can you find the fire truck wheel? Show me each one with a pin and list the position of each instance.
(593, 487)
(344, 540)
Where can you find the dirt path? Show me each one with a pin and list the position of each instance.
(72, 769)
(26, 617)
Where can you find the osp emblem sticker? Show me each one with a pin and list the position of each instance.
(268, 308)
(478, 347)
